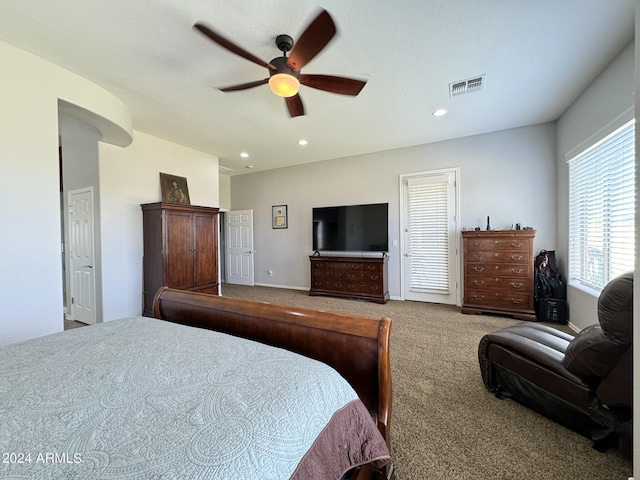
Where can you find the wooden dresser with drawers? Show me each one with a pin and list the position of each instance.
(352, 277)
(499, 273)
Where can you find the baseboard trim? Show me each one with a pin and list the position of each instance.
(272, 285)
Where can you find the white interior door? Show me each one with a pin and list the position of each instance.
(430, 237)
(82, 255)
(240, 247)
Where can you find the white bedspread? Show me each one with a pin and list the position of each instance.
(143, 398)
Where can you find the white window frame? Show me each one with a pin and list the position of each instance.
(602, 238)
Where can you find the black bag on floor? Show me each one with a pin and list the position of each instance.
(550, 289)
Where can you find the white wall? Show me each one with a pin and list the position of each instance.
(31, 301)
(31, 285)
(507, 175)
(605, 99)
(128, 178)
(225, 192)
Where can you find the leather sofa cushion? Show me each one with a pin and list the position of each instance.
(538, 342)
(615, 309)
(592, 355)
(534, 352)
(597, 349)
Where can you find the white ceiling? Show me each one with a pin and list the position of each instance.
(537, 55)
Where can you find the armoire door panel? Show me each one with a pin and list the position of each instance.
(205, 244)
(179, 273)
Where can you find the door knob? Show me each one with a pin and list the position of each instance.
(87, 266)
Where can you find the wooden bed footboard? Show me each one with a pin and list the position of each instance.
(357, 347)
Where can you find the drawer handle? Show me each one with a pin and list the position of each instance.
(517, 245)
(479, 269)
(516, 285)
(478, 244)
(516, 257)
(478, 282)
(514, 270)
(478, 257)
(516, 301)
(479, 297)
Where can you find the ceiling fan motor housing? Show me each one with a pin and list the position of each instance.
(281, 67)
(284, 43)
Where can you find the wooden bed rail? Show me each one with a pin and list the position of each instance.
(357, 347)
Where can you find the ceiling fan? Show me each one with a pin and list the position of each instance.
(284, 72)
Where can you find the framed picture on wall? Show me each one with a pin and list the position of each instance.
(174, 189)
(279, 216)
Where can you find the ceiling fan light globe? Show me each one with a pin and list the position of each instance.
(284, 85)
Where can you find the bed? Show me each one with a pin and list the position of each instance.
(211, 388)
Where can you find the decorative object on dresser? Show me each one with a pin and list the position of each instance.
(180, 249)
(351, 277)
(498, 272)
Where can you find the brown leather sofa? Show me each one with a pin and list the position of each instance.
(583, 382)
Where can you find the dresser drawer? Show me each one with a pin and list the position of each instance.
(345, 266)
(315, 266)
(493, 284)
(502, 256)
(370, 277)
(502, 269)
(498, 244)
(363, 287)
(499, 299)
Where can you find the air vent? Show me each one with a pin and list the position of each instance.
(466, 86)
(222, 169)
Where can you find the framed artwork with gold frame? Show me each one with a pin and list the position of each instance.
(174, 189)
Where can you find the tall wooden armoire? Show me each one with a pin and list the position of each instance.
(180, 249)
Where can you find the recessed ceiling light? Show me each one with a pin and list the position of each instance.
(440, 112)
(302, 142)
(244, 155)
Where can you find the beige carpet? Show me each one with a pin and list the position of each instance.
(445, 424)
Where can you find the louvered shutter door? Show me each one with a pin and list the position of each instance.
(427, 233)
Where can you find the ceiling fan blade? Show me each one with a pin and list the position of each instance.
(244, 86)
(232, 47)
(313, 39)
(329, 83)
(294, 104)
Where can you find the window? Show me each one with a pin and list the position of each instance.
(602, 209)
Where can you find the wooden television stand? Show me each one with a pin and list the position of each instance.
(350, 277)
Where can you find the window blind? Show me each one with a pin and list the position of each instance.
(428, 233)
(602, 209)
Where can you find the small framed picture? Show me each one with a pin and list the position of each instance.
(174, 189)
(279, 216)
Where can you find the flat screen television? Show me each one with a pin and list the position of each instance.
(351, 228)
